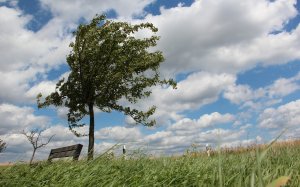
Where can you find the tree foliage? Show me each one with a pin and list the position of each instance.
(108, 63)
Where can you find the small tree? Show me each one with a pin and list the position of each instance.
(107, 64)
(2, 146)
(34, 138)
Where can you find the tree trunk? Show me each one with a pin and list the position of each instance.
(91, 133)
(33, 153)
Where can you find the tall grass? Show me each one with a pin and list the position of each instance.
(237, 169)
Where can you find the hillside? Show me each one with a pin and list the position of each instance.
(237, 168)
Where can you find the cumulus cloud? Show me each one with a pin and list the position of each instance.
(292, 134)
(283, 86)
(118, 133)
(26, 55)
(62, 133)
(238, 94)
(168, 142)
(46, 87)
(243, 143)
(159, 143)
(254, 101)
(180, 135)
(20, 149)
(87, 9)
(14, 119)
(18, 37)
(226, 36)
(262, 97)
(197, 90)
(206, 120)
(286, 115)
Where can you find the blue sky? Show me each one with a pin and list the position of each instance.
(236, 64)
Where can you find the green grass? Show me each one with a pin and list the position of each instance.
(3, 167)
(235, 170)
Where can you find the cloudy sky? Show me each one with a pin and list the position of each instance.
(236, 63)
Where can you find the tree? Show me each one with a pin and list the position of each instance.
(34, 138)
(108, 63)
(2, 146)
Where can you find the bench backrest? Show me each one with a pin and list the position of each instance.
(73, 150)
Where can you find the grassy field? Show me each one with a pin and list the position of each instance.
(233, 167)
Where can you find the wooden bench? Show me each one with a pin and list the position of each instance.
(73, 150)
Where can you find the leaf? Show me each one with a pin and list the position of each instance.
(281, 181)
(263, 154)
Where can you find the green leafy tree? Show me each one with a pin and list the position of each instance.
(108, 63)
(2, 145)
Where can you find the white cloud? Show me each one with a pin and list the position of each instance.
(77, 9)
(243, 143)
(226, 35)
(118, 133)
(238, 94)
(168, 142)
(197, 90)
(283, 87)
(44, 87)
(247, 126)
(206, 120)
(26, 55)
(102, 147)
(160, 142)
(179, 136)
(19, 148)
(263, 97)
(158, 136)
(18, 45)
(292, 134)
(219, 135)
(164, 142)
(287, 115)
(14, 119)
(62, 133)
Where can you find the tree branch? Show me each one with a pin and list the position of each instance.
(44, 144)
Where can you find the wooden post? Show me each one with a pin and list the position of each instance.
(124, 151)
(208, 149)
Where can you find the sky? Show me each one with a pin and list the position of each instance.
(236, 64)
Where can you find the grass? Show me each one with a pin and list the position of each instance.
(233, 167)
